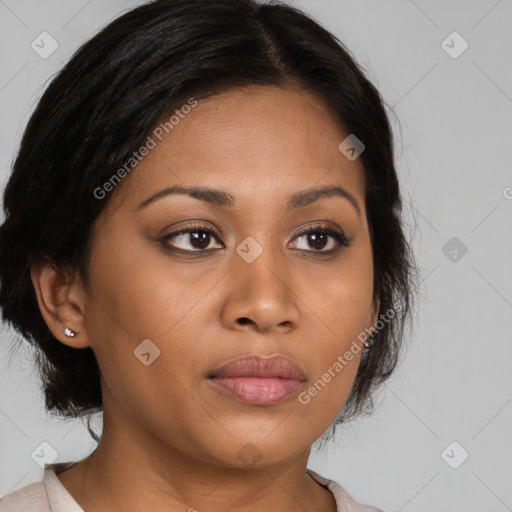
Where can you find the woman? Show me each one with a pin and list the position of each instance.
(203, 239)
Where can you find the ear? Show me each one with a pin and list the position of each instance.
(61, 300)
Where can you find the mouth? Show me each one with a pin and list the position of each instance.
(259, 380)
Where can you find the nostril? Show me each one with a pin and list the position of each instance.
(243, 320)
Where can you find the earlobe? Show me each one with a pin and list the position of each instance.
(60, 298)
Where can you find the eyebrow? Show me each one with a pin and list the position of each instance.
(222, 198)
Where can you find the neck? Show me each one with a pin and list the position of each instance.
(132, 469)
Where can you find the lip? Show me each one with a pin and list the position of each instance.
(258, 380)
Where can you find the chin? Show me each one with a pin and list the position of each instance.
(252, 452)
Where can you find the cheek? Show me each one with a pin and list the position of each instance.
(138, 312)
(139, 295)
(344, 299)
(139, 289)
(335, 356)
(342, 307)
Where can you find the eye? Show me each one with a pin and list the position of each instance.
(198, 236)
(318, 237)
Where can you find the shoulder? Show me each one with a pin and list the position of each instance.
(31, 497)
(44, 496)
(344, 502)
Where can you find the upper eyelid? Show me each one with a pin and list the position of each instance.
(216, 232)
(320, 227)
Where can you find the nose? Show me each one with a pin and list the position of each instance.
(261, 295)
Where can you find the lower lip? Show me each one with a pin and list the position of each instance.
(257, 390)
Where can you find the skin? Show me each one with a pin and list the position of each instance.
(171, 440)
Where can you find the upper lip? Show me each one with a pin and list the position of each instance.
(260, 366)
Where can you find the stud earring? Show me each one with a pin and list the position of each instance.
(70, 332)
(367, 345)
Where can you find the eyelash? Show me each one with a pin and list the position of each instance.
(338, 236)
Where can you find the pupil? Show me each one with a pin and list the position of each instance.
(197, 239)
(316, 237)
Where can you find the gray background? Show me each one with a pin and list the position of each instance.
(453, 156)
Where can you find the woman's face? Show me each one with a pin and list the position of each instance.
(254, 286)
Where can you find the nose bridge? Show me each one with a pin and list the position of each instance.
(263, 284)
(261, 265)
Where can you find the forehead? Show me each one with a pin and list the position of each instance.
(254, 142)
